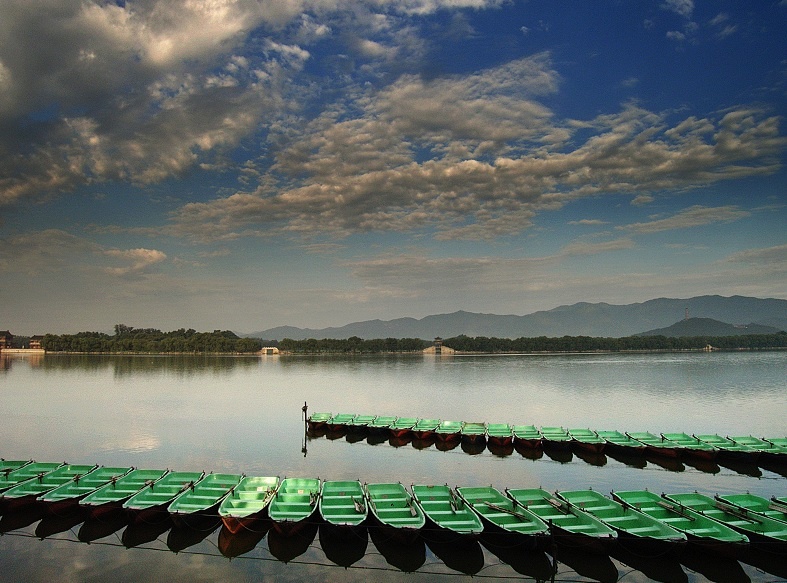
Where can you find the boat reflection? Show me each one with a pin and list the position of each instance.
(633, 459)
(343, 546)
(500, 450)
(52, 524)
(94, 529)
(706, 466)
(233, 545)
(531, 453)
(183, 537)
(14, 519)
(668, 463)
(713, 566)
(405, 557)
(592, 458)
(424, 443)
(590, 565)
(563, 456)
(140, 533)
(464, 556)
(286, 548)
(473, 448)
(533, 564)
(665, 568)
(446, 445)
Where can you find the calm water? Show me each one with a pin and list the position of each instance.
(244, 415)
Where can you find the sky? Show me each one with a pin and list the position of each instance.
(245, 164)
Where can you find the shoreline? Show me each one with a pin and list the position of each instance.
(455, 353)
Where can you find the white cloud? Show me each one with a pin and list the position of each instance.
(683, 8)
(642, 199)
(137, 260)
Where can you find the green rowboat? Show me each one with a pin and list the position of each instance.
(617, 441)
(449, 430)
(751, 503)
(587, 440)
(527, 436)
(198, 503)
(28, 491)
(764, 532)
(447, 514)
(692, 446)
(294, 504)
(638, 532)
(474, 432)
(8, 466)
(150, 503)
(767, 450)
(247, 503)
(114, 493)
(699, 530)
(342, 504)
(11, 477)
(402, 427)
(318, 420)
(380, 424)
(728, 448)
(395, 510)
(425, 428)
(340, 421)
(657, 444)
(499, 433)
(74, 490)
(507, 521)
(360, 422)
(568, 525)
(556, 437)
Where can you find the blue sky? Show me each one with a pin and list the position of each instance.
(242, 164)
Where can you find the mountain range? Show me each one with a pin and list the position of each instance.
(581, 319)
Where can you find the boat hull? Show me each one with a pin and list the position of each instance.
(257, 522)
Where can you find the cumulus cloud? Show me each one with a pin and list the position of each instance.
(495, 157)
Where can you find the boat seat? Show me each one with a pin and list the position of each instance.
(582, 528)
(642, 529)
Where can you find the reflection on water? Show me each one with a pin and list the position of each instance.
(243, 414)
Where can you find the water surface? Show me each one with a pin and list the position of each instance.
(243, 414)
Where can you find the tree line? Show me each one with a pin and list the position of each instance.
(129, 339)
(150, 340)
(627, 343)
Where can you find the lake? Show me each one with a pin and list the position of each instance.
(243, 415)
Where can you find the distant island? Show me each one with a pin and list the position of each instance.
(148, 340)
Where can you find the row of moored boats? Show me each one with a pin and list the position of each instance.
(675, 445)
(642, 521)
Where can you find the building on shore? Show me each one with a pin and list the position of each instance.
(437, 347)
(6, 339)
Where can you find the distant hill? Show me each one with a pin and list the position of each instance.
(709, 327)
(582, 319)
